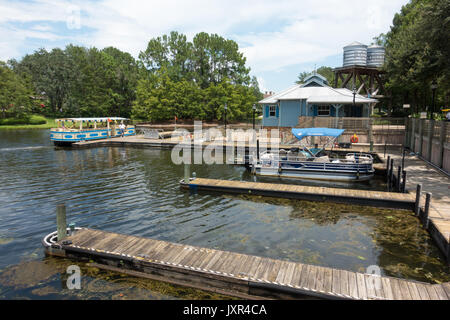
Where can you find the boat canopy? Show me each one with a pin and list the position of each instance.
(301, 133)
(104, 119)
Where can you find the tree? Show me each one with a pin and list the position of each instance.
(172, 52)
(418, 53)
(216, 58)
(82, 82)
(194, 80)
(15, 100)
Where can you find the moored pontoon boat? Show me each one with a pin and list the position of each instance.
(72, 130)
(313, 163)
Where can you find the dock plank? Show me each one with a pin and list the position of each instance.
(440, 292)
(281, 271)
(413, 291)
(362, 291)
(352, 284)
(230, 267)
(289, 274)
(327, 279)
(387, 289)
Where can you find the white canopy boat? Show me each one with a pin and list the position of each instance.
(70, 130)
(313, 163)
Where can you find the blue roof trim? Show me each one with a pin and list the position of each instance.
(301, 133)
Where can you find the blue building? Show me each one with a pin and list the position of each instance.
(314, 98)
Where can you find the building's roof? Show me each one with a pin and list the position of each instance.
(324, 94)
(316, 75)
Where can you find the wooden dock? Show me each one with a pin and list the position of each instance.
(363, 197)
(234, 274)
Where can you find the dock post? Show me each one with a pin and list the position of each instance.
(186, 173)
(417, 204)
(426, 210)
(61, 221)
(387, 166)
(403, 157)
(404, 181)
(257, 149)
(399, 178)
(391, 174)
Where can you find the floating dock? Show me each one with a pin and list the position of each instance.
(234, 274)
(362, 197)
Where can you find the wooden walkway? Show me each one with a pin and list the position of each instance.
(374, 198)
(438, 184)
(236, 274)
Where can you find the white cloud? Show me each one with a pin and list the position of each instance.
(272, 34)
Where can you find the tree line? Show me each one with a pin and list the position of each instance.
(171, 78)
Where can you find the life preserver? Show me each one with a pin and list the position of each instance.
(354, 139)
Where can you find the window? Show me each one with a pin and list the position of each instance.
(323, 110)
(272, 111)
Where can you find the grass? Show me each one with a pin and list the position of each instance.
(34, 122)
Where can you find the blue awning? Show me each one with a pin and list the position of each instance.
(301, 133)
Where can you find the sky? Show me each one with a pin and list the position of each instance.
(279, 38)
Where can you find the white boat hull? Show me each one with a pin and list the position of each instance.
(327, 176)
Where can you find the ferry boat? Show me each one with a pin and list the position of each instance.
(313, 163)
(70, 130)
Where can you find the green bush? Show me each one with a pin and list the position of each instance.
(34, 120)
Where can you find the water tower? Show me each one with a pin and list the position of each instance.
(361, 69)
(375, 56)
(355, 54)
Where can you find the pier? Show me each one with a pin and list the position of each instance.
(361, 197)
(234, 274)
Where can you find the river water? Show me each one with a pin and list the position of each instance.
(136, 192)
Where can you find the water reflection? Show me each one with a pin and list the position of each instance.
(136, 192)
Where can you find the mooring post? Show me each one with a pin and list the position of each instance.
(403, 157)
(427, 210)
(399, 178)
(257, 149)
(387, 165)
(186, 173)
(61, 223)
(404, 181)
(417, 204)
(391, 173)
